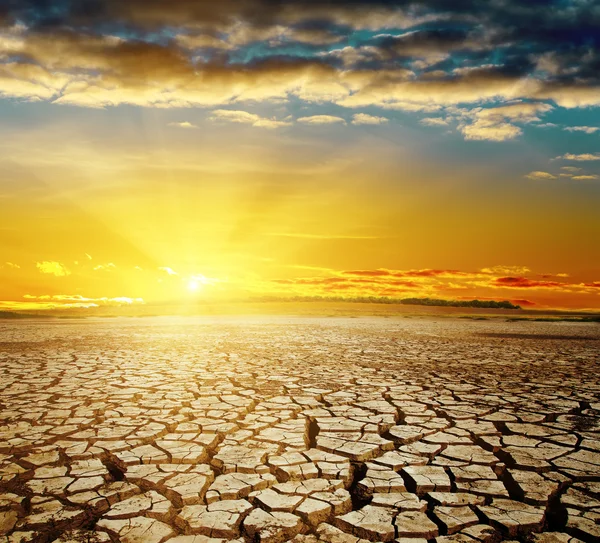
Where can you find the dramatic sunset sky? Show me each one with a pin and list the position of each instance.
(155, 151)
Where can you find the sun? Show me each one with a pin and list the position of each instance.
(193, 286)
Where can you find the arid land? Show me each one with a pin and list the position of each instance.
(272, 429)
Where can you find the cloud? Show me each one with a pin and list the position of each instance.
(364, 286)
(243, 117)
(585, 177)
(523, 282)
(520, 282)
(497, 123)
(303, 235)
(491, 131)
(256, 15)
(183, 124)
(321, 119)
(526, 112)
(200, 41)
(13, 265)
(434, 45)
(424, 273)
(401, 89)
(485, 284)
(168, 270)
(585, 157)
(434, 121)
(106, 267)
(586, 129)
(505, 63)
(203, 280)
(71, 301)
(554, 276)
(351, 56)
(363, 118)
(53, 268)
(540, 175)
(504, 270)
(369, 273)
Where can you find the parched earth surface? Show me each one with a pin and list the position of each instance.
(299, 429)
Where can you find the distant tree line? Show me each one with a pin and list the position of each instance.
(486, 304)
(11, 315)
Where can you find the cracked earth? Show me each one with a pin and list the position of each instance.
(299, 429)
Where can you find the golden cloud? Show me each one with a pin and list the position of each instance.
(53, 268)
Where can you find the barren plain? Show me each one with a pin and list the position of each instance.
(341, 430)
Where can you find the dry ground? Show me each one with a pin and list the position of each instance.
(306, 429)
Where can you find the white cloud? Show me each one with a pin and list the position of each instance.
(491, 131)
(167, 270)
(244, 117)
(586, 129)
(585, 177)
(107, 267)
(434, 121)
(540, 175)
(497, 123)
(183, 124)
(580, 158)
(321, 119)
(364, 118)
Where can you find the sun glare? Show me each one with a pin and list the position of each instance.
(193, 286)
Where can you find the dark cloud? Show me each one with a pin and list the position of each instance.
(426, 42)
(556, 19)
(523, 282)
(417, 55)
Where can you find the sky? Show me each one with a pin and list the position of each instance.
(155, 152)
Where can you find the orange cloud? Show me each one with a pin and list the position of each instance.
(444, 283)
(523, 282)
(409, 273)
